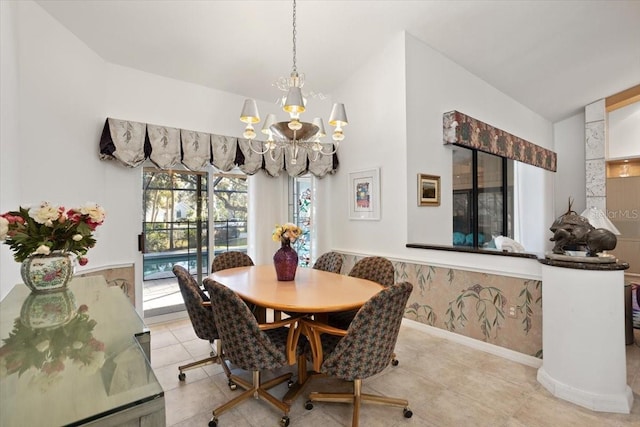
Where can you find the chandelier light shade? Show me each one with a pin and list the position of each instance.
(338, 119)
(294, 103)
(294, 133)
(250, 116)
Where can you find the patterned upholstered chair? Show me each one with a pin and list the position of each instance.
(329, 261)
(376, 269)
(231, 259)
(251, 346)
(361, 351)
(201, 320)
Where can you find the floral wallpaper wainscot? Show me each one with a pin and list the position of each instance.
(500, 310)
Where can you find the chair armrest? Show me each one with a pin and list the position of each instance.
(313, 330)
(274, 325)
(323, 328)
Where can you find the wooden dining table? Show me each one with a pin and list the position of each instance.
(313, 292)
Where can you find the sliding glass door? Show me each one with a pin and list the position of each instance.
(175, 231)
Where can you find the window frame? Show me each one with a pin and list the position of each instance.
(474, 196)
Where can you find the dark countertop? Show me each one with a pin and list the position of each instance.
(580, 263)
(577, 265)
(467, 249)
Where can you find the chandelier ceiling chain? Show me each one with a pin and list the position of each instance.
(295, 70)
(294, 133)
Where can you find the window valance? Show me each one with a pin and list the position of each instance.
(132, 143)
(460, 129)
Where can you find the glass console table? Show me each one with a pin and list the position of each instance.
(78, 357)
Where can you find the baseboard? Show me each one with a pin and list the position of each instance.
(168, 317)
(496, 350)
(620, 403)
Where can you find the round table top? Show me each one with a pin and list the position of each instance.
(312, 291)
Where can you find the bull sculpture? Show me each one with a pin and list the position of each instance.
(574, 231)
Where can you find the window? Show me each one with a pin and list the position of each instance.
(230, 199)
(482, 198)
(300, 204)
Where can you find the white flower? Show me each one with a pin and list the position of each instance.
(77, 237)
(4, 228)
(77, 345)
(42, 346)
(95, 212)
(45, 214)
(43, 250)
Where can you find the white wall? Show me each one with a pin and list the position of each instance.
(60, 89)
(422, 90)
(10, 187)
(436, 85)
(623, 132)
(570, 181)
(375, 137)
(65, 93)
(394, 103)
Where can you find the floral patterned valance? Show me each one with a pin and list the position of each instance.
(460, 129)
(132, 143)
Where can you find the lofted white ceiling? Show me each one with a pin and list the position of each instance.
(554, 57)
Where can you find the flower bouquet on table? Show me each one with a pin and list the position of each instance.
(285, 259)
(48, 230)
(286, 233)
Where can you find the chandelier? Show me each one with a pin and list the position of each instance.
(294, 133)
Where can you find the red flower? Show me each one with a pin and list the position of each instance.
(96, 345)
(13, 218)
(83, 260)
(93, 225)
(74, 216)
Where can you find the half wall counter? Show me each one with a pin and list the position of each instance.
(583, 335)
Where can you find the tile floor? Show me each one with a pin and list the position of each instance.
(447, 384)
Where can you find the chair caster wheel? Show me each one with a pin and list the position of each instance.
(308, 405)
(182, 376)
(232, 385)
(290, 384)
(407, 413)
(284, 421)
(213, 422)
(394, 362)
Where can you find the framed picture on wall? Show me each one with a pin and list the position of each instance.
(364, 194)
(428, 190)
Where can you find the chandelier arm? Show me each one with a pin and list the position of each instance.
(256, 151)
(335, 150)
